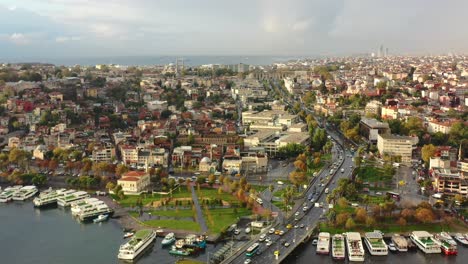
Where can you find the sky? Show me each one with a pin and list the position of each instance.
(74, 28)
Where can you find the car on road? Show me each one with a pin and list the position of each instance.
(247, 230)
(296, 226)
(289, 226)
(281, 233)
(247, 261)
(271, 231)
(269, 243)
(262, 238)
(302, 226)
(277, 231)
(378, 193)
(237, 231)
(286, 244)
(267, 239)
(326, 190)
(305, 208)
(314, 242)
(280, 182)
(310, 196)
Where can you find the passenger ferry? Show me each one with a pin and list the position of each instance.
(323, 244)
(141, 240)
(7, 194)
(89, 214)
(25, 193)
(425, 242)
(375, 244)
(80, 205)
(354, 246)
(400, 243)
(50, 198)
(338, 247)
(66, 201)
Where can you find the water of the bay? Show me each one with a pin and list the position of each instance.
(53, 236)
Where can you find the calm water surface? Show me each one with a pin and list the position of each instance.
(33, 236)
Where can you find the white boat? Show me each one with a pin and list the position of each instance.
(168, 239)
(375, 244)
(338, 247)
(446, 243)
(425, 242)
(66, 200)
(50, 198)
(7, 194)
(141, 240)
(323, 244)
(392, 247)
(461, 239)
(101, 218)
(128, 234)
(89, 214)
(25, 193)
(80, 205)
(400, 243)
(354, 246)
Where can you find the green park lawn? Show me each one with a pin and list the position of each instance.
(373, 174)
(222, 218)
(172, 224)
(170, 213)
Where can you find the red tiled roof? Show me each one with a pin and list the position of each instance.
(129, 179)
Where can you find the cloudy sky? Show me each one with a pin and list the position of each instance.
(68, 28)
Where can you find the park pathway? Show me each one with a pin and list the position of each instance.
(200, 218)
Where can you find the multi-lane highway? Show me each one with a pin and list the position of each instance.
(302, 222)
(308, 219)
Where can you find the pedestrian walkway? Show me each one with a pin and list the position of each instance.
(200, 219)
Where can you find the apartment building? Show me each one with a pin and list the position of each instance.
(397, 146)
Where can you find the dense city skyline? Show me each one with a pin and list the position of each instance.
(74, 28)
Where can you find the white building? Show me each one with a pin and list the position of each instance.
(397, 146)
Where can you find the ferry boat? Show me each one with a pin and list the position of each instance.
(375, 244)
(354, 246)
(338, 247)
(168, 239)
(89, 214)
(461, 239)
(7, 194)
(194, 241)
(323, 244)
(141, 240)
(50, 198)
(81, 205)
(25, 193)
(447, 244)
(66, 201)
(425, 242)
(400, 243)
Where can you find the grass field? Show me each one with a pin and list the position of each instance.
(171, 213)
(373, 174)
(172, 224)
(219, 219)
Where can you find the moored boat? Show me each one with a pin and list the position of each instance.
(25, 193)
(168, 239)
(179, 251)
(354, 246)
(50, 198)
(446, 243)
(79, 206)
(8, 193)
(460, 238)
(392, 247)
(338, 247)
(375, 244)
(66, 200)
(140, 241)
(323, 244)
(101, 218)
(128, 235)
(400, 243)
(90, 213)
(425, 242)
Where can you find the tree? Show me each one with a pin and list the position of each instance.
(120, 169)
(110, 186)
(370, 221)
(350, 224)
(341, 219)
(401, 221)
(458, 133)
(407, 213)
(361, 215)
(427, 152)
(291, 150)
(424, 215)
